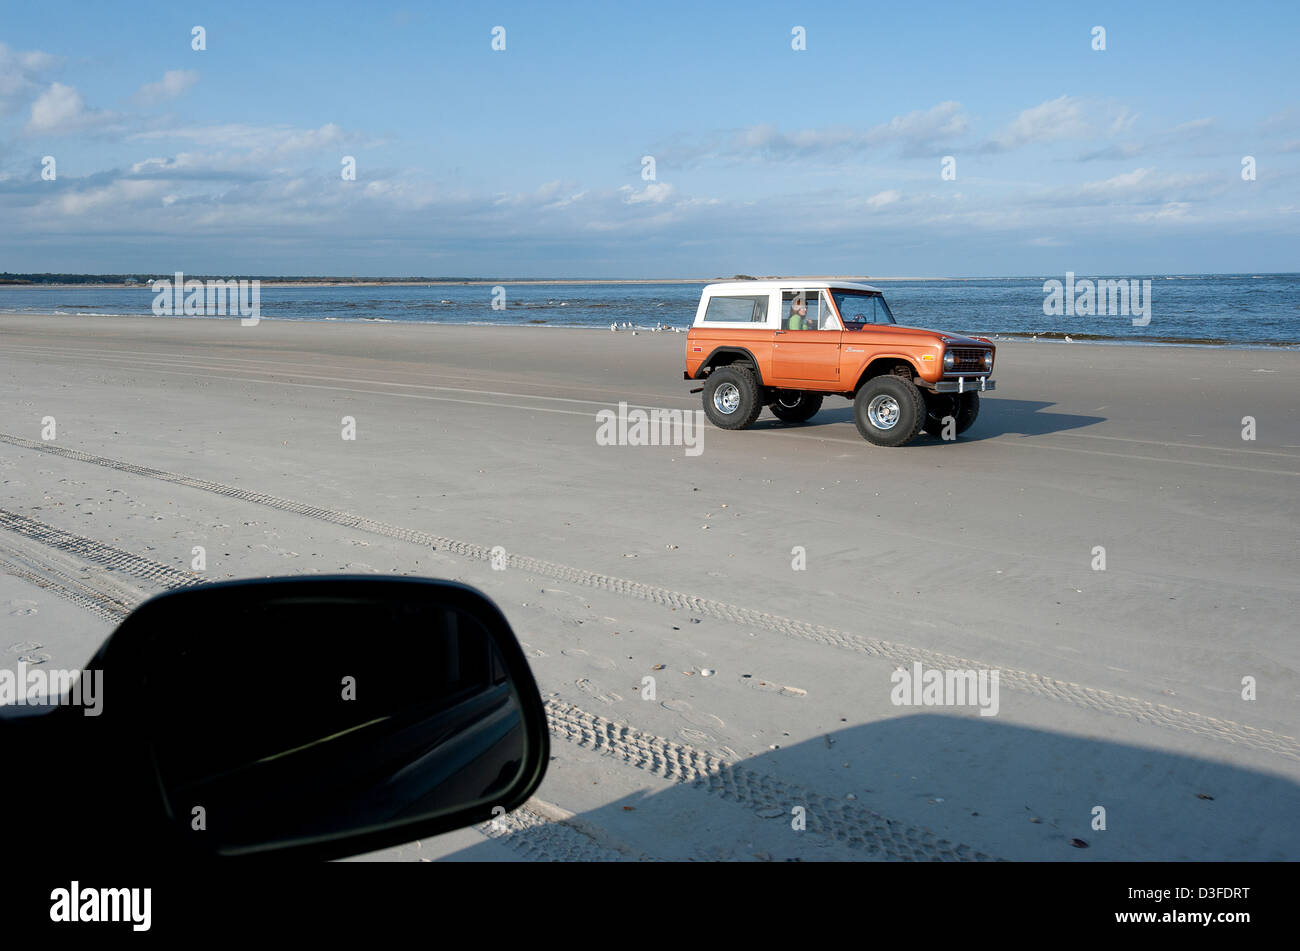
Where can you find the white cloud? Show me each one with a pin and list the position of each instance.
(881, 199)
(1192, 127)
(1161, 140)
(1122, 122)
(153, 166)
(257, 142)
(175, 82)
(1144, 184)
(545, 195)
(1169, 211)
(1055, 119)
(56, 106)
(20, 75)
(922, 132)
(117, 195)
(1123, 182)
(1138, 190)
(59, 108)
(655, 193)
(306, 140)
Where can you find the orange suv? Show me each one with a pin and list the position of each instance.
(788, 344)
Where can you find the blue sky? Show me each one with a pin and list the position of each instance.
(528, 161)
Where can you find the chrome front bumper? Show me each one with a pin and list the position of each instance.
(965, 385)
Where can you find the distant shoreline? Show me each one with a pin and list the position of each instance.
(490, 282)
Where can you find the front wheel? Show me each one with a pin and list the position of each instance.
(889, 411)
(795, 406)
(731, 398)
(962, 407)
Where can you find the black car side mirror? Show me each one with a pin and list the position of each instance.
(312, 717)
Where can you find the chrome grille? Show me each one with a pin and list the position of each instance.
(966, 359)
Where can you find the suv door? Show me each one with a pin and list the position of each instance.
(807, 356)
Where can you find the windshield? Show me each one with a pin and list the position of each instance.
(862, 308)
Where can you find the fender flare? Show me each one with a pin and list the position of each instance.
(707, 362)
(862, 377)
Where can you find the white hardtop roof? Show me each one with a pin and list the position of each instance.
(766, 287)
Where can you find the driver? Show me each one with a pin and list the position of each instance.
(799, 314)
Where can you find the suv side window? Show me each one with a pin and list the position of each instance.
(820, 315)
(737, 310)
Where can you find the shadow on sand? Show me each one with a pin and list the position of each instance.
(945, 786)
(997, 417)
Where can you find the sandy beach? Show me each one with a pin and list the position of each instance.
(1120, 688)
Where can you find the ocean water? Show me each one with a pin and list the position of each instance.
(1216, 310)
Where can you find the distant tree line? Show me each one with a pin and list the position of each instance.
(144, 278)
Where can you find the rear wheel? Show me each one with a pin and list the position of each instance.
(889, 411)
(962, 407)
(795, 406)
(731, 398)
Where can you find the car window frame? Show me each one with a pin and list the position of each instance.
(825, 305)
(704, 320)
(893, 321)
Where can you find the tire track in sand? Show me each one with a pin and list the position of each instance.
(555, 835)
(1039, 685)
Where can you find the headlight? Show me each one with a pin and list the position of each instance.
(988, 359)
(949, 360)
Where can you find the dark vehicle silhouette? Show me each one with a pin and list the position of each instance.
(298, 718)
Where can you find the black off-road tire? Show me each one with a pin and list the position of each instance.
(795, 406)
(964, 408)
(733, 386)
(885, 398)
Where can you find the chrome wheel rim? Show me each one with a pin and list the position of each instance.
(790, 402)
(883, 412)
(727, 398)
